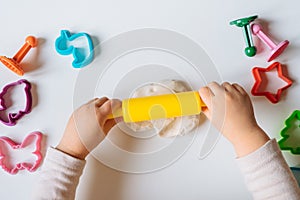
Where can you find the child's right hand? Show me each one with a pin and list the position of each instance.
(230, 110)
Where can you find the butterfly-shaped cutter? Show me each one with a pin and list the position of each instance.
(5, 161)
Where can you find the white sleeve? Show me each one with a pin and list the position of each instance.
(267, 174)
(59, 176)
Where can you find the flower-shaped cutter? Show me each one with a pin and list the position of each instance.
(12, 118)
(4, 159)
(274, 98)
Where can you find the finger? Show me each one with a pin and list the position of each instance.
(109, 106)
(116, 104)
(206, 95)
(116, 109)
(239, 88)
(216, 88)
(106, 109)
(228, 87)
(101, 101)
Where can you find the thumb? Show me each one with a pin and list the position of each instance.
(108, 108)
(206, 95)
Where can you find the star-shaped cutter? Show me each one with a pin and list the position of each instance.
(256, 71)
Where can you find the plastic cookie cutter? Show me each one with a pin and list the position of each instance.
(12, 118)
(8, 147)
(260, 82)
(244, 23)
(83, 55)
(277, 49)
(161, 106)
(14, 63)
(290, 134)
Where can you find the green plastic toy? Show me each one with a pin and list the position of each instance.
(244, 23)
(291, 134)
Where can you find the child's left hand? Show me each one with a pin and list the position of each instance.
(87, 127)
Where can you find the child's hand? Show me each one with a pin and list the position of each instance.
(87, 127)
(230, 110)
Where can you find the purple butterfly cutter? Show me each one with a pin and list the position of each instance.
(12, 118)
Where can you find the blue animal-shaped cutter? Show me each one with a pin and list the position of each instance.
(83, 53)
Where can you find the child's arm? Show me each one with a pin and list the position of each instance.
(267, 174)
(64, 164)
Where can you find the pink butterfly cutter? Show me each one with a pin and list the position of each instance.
(12, 118)
(5, 162)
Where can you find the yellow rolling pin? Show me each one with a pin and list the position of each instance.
(162, 106)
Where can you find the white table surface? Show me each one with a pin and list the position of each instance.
(205, 22)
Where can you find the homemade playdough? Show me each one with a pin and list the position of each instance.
(165, 127)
